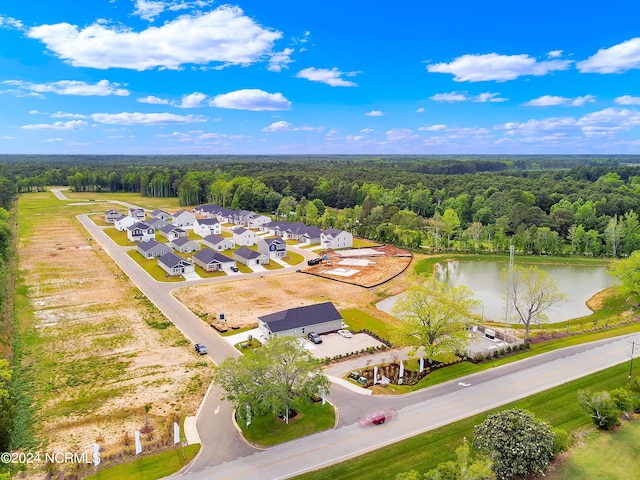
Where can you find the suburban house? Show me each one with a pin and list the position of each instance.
(207, 226)
(171, 232)
(123, 222)
(303, 233)
(334, 238)
(211, 260)
(111, 215)
(157, 223)
(184, 245)
(225, 215)
(272, 247)
(140, 232)
(137, 213)
(153, 249)
(183, 218)
(250, 219)
(250, 257)
(175, 265)
(160, 214)
(242, 236)
(299, 321)
(218, 242)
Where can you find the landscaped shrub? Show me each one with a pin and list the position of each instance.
(560, 441)
(601, 408)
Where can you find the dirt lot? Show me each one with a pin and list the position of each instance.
(243, 301)
(96, 361)
(381, 268)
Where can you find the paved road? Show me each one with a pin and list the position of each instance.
(419, 412)
(226, 456)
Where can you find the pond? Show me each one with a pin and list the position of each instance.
(486, 280)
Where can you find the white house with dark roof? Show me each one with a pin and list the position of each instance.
(335, 238)
(207, 226)
(299, 321)
(244, 237)
(184, 245)
(183, 218)
(250, 257)
(137, 213)
(123, 222)
(211, 260)
(141, 232)
(175, 265)
(218, 242)
(161, 214)
(255, 220)
(110, 216)
(272, 247)
(171, 232)
(153, 249)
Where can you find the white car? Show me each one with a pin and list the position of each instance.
(345, 333)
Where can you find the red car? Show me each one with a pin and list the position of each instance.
(378, 418)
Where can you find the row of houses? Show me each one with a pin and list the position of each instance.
(298, 231)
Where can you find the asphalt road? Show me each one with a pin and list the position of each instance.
(226, 456)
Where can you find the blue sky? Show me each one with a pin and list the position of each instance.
(419, 77)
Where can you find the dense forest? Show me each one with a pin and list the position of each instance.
(543, 205)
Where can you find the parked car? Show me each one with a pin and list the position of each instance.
(345, 333)
(234, 269)
(201, 348)
(314, 261)
(314, 337)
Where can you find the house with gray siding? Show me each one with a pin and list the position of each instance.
(160, 214)
(218, 242)
(250, 257)
(137, 213)
(110, 216)
(184, 245)
(183, 218)
(171, 232)
(272, 247)
(153, 249)
(299, 321)
(175, 265)
(211, 260)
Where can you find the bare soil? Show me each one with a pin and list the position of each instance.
(97, 362)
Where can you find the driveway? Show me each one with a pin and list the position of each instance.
(333, 345)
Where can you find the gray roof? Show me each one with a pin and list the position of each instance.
(208, 221)
(272, 240)
(333, 231)
(170, 228)
(301, 317)
(140, 225)
(247, 253)
(207, 255)
(172, 260)
(157, 222)
(148, 245)
(181, 241)
(215, 239)
(240, 231)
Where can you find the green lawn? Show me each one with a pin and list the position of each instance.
(293, 258)
(149, 467)
(423, 452)
(269, 430)
(604, 456)
(358, 320)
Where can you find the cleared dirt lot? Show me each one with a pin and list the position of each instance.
(98, 351)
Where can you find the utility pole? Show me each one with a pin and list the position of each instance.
(509, 288)
(633, 344)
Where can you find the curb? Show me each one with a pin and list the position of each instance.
(349, 385)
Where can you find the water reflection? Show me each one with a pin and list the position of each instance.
(487, 281)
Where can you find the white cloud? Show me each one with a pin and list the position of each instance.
(420, 110)
(375, 113)
(67, 115)
(8, 137)
(552, 100)
(617, 59)
(280, 126)
(192, 100)
(452, 97)
(70, 87)
(280, 60)
(449, 97)
(137, 118)
(627, 100)
(331, 77)
(148, 10)
(433, 128)
(10, 22)
(223, 35)
(366, 130)
(554, 53)
(609, 120)
(153, 100)
(401, 135)
(251, 99)
(70, 125)
(491, 66)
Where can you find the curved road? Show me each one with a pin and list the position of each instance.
(226, 456)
